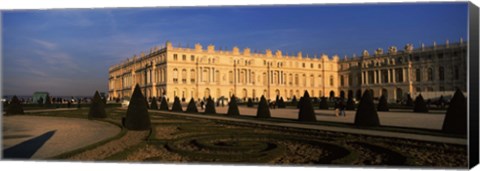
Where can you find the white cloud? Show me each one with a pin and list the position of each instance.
(45, 44)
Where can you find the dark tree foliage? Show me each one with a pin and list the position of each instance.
(382, 104)
(192, 107)
(177, 106)
(350, 103)
(306, 112)
(15, 107)
(409, 100)
(420, 105)
(249, 102)
(153, 104)
(137, 117)
(48, 101)
(366, 115)
(263, 111)
(164, 104)
(79, 104)
(281, 103)
(233, 107)
(5, 104)
(342, 95)
(300, 103)
(97, 107)
(455, 121)
(323, 103)
(294, 101)
(210, 106)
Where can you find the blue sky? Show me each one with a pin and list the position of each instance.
(68, 52)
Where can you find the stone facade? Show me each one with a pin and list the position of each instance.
(198, 73)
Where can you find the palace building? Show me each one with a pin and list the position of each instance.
(197, 72)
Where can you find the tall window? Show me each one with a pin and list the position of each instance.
(341, 81)
(418, 75)
(441, 73)
(184, 57)
(296, 79)
(312, 81)
(331, 80)
(456, 73)
(192, 76)
(230, 76)
(175, 75)
(175, 57)
(192, 58)
(184, 76)
(430, 74)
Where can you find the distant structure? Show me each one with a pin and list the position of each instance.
(198, 73)
(39, 95)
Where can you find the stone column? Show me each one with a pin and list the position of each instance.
(375, 77)
(388, 76)
(380, 77)
(394, 80)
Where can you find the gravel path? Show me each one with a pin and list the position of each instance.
(70, 134)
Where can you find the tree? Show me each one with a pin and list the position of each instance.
(97, 107)
(164, 104)
(366, 115)
(294, 101)
(233, 107)
(192, 107)
(306, 112)
(350, 104)
(281, 103)
(455, 121)
(323, 103)
(210, 106)
(409, 100)
(177, 106)
(153, 104)
(382, 104)
(249, 102)
(300, 103)
(263, 111)
(15, 107)
(137, 117)
(48, 101)
(420, 105)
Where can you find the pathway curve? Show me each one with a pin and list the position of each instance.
(70, 134)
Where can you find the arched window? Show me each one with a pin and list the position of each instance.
(184, 76)
(430, 74)
(192, 76)
(441, 73)
(296, 79)
(304, 80)
(175, 75)
(217, 76)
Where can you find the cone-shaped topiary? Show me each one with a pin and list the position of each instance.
(382, 104)
(420, 105)
(263, 111)
(15, 107)
(281, 103)
(249, 102)
(350, 104)
(97, 107)
(137, 113)
(192, 107)
(323, 103)
(306, 112)
(164, 104)
(409, 100)
(294, 101)
(300, 103)
(456, 117)
(233, 107)
(366, 115)
(153, 104)
(210, 106)
(177, 106)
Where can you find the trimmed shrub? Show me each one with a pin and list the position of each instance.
(323, 103)
(350, 104)
(97, 107)
(192, 107)
(409, 100)
(366, 115)
(281, 103)
(294, 101)
(249, 102)
(300, 103)
(210, 106)
(233, 107)
(420, 105)
(382, 104)
(15, 107)
(153, 104)
(306, 112)
(177, 106)
(263, 111)
(164, 104)
(455, 121)
(137, 113)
